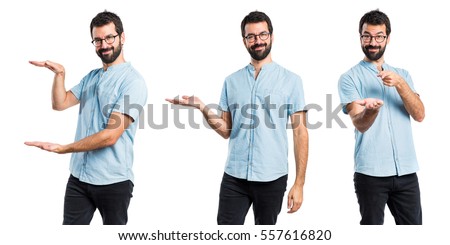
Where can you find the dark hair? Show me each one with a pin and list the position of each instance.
(375, 17)
(256, 17)
(104, 18)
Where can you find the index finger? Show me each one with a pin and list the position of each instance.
(295, 207)
(35, 143)
(382, 74)
(173, 101)
(37, 63)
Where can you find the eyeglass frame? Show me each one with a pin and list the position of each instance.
(100, 40)
(257, 35)
(373, 37)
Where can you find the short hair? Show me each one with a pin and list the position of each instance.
(256, 17)
(375, 17)
(106, 17)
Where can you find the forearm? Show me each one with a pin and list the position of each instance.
(219, 124)
(59, 92)
(412, 102)
(364, 120)
(96, 141)
(301, 144)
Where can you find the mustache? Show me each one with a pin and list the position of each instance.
(105, 49)
(258, 45)
(372, 47)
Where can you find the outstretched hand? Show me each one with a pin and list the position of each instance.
(186, 101)
(370, 103)
(55, 67)
(47, 146)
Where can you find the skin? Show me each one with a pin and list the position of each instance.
(222, 124)
(63, 99)
(364, 112)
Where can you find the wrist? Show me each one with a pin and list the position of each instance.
(299, 182)
(60, 74)
(63, 149)
(202, 107)
(401, 84)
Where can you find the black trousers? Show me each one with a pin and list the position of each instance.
(237, 195)
(82, 199)
(400, 193)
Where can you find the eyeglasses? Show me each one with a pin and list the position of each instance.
(252, 37)
(108, 40)
(368, 38)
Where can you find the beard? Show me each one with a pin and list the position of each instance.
(262, 54)
(110, 58)
(373, 56)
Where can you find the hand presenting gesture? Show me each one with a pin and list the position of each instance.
(51, 147)
(370, 103)
(55, 67)
(187, 101)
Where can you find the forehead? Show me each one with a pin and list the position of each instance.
(105, 30)
(374, 29)
(256, 28)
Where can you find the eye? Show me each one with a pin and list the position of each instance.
(250, 37)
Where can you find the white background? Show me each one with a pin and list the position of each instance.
(189, 47)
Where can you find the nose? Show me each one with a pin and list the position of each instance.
(103, 44)
(373, 42)
(258, 39)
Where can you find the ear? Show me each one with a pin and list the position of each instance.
(388, 39)
(122, 37)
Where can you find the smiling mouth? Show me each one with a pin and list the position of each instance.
(105, 51)
(259, 47)
(372, 49)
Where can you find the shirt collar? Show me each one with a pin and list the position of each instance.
(372, 66)
(268, 66)
(117, 66)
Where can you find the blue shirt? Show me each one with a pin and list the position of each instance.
(118, 89)
(260, 109)
(386, 148)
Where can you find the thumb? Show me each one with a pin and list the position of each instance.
(360, 102)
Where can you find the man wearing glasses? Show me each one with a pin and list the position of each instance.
(102, 154)
(256, 103)
(380, 100)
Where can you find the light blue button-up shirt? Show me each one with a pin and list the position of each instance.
(260, 110)
(387, 147)
(118, 89)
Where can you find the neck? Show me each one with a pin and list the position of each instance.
(258, 64)
(119, 60)
(378, 63)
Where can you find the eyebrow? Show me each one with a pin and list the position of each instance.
(109, 35)
(380, 32)
(258, 33)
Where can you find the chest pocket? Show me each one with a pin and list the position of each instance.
(272, 107)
